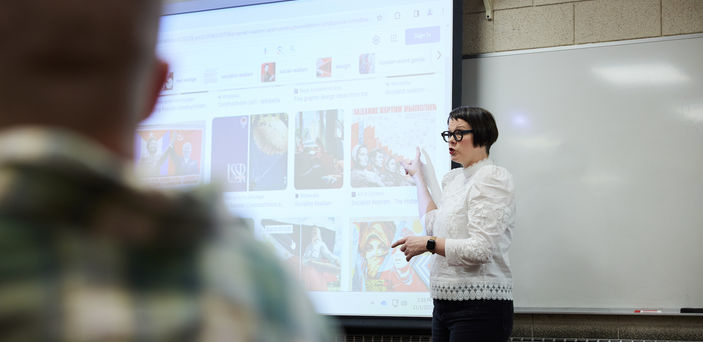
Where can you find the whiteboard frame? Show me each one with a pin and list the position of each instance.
(591, 311)
(583, 46)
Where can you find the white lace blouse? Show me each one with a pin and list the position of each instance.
(476, 215)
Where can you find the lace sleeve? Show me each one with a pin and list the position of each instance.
(428, 221)
(489, 204)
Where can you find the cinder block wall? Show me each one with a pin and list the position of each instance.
(528, 24)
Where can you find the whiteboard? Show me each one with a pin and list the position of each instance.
(605, 143)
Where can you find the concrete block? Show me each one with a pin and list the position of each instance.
(608, 20)
(475, 6)
(661, 327)
(534, 27)
(522, 325)
(575, 326)
(552, 2)
(506, 4)
(682, 16)
(478, 34)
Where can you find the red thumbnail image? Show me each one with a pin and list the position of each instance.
(268, 72)
(169, 157)
(324, 67)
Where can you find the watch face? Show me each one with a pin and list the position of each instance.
(430, 245)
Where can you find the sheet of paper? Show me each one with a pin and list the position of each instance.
(430, 177)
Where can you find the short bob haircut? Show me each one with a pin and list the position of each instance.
(482, 123)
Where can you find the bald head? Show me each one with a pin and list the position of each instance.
(79, 64)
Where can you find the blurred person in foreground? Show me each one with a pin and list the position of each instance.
(86, 254)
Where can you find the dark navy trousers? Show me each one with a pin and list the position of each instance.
(472, 320)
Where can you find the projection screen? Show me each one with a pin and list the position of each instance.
(302, 111)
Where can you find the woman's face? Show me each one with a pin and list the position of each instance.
(379, 160)
(362, 157)
(374, 248)
(316, 234)
(463, 152)
(391, 165)
(374, 251)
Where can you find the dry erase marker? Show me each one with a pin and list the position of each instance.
(648, 311)
(691, 310)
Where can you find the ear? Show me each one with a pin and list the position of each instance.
(157, 83)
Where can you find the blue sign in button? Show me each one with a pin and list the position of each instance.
(422, 35)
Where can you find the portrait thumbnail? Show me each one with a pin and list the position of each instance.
(319, 149)
(268, 72)
(169, 156)
(367, 63)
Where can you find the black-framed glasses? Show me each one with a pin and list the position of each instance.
(458, 134)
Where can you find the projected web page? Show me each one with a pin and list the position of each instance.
(303, 111)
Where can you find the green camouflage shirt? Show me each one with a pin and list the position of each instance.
(88, 254)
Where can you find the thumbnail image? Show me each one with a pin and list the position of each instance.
(168, 85)
(324, 67)
(230, 152)
(379, 268)
(268, 72)
(169, 156)
(367, 63)
(268, 152)
(250, 153)
(321, 266)
(376, 168)
(310, 247)
(284, 239)
(319, 156)
(379, 143)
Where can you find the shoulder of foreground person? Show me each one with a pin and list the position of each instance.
(245, 273)
(248, 291)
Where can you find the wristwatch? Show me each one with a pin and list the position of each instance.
(431, 244)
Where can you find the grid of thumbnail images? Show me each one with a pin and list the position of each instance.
(251, 152)
(312, 249)
(255, 153)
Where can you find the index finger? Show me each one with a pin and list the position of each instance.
(398, 243)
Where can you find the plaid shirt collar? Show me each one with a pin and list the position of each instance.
(61, 149)
(51, 175)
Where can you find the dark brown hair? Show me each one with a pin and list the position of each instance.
(482, 123)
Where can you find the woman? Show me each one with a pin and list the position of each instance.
(470, 279)
(361, 176)
(372, 253)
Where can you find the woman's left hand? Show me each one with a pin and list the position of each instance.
(412, 245)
